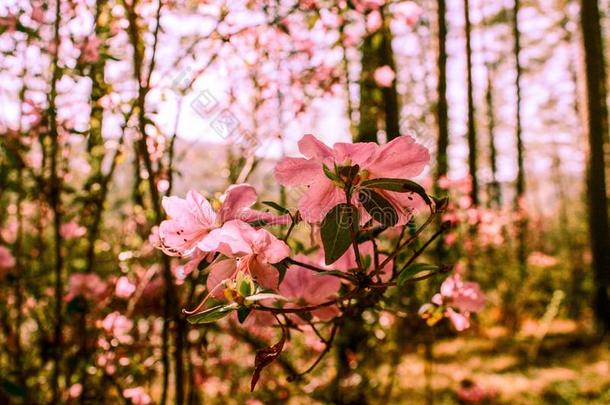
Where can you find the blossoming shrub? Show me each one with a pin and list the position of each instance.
(360, 203)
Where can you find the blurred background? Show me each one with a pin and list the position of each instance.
(107, 106)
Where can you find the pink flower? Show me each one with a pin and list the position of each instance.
(86, 285)
(124, 288)
(466, 296)
(408, 11)
(137, 396)
(374, 21)
(7, 261)
(90, 52)
(38, 13)
(384, 76)
(250, 250)
(460, 299)
(306, 287)
(118, 326)
(400, 158)
(191, 219)
(72, 230)
(366, 5)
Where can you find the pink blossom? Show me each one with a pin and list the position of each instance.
(75, 390)
(7, 261)
(118, 326)
(407, 11)
(90, 52)
(400, 158)
(366, 5)
(124, 288)
(466, 296)
(460, 299)
(37, 13)
(191, 219)
(72, 230)
(384, 76)
(250, 250)
(306, 287)
(86, 285)
(374, 21)
(137, 395)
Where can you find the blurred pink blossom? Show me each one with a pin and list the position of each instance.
(7, 261)
(86, 285)
(124, 288)
(72, 230)
(374, 21)
(137, 395)
(90, 52)
(384, 76)
(408, 11)
(118, 326)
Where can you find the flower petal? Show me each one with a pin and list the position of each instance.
(400, 158)
(298, 171)
(220, 271)
(237, 198)
(313, 148)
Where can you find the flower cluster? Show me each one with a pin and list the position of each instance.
(352, 195)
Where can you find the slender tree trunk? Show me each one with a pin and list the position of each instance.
(55, 203)
(391, 107)
(597, 114)
(367, 125)
(442, 117)
(379, 107)
(472, 134)
(520, 184)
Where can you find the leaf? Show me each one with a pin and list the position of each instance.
(336, 231)
(415, 269)
(399, 186)
(330, 174)
(264, 357)
(276, 206)
(281, 268)
(380, 209)
(212, 314)
(242, 313)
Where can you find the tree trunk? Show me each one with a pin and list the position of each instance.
(472, 134)
(441, 106)
(597, 114)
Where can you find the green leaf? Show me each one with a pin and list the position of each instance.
(380, 209)
(330, 174)
(399, 186)
(212, 314)
(336, 231)
(276, 206)
(417, 269)
(281, 268)
(242, 313)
